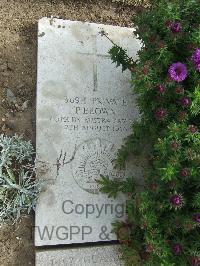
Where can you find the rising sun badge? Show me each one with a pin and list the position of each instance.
(93, 159)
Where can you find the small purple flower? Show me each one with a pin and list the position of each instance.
(149, 248)
(177, 249)
(196, 59)
(197, 218)
(161, 114)
(179, 90)
(175, 27)
(185, 101)
(177, 201)
(193, 129)
(161, 89)
(185, 172)
(178, 72)
(195, 261)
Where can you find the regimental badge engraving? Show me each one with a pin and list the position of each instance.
(92, 159)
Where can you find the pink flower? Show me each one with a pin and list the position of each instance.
(185, 101)
(185, 172)
(177, 249)
(193, 129)
(175, 27)
(178, 72)
(179, 90)
(161, 114)
(161, 89)
(195, 261)
(176, 200)
(196, 59)
(175, 145)
(197, 218)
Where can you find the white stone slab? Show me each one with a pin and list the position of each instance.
(90, 256)
(85, 109)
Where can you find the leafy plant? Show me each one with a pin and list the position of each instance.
(18, 186)
(165, 216)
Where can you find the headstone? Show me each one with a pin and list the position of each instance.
(85, 109)
(87, 256)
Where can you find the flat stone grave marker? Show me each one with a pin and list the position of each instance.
(85, 109)
(87, 256)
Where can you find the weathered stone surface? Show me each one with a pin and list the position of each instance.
(90, 256)
(85, 109)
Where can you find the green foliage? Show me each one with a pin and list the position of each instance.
(195, 106)
(131, 256)
(113, 187)
(120, 57)
(135, 143)
(167, 212)
(18, 187)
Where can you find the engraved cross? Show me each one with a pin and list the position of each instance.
(95, 55)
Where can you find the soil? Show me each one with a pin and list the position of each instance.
(18, 68)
